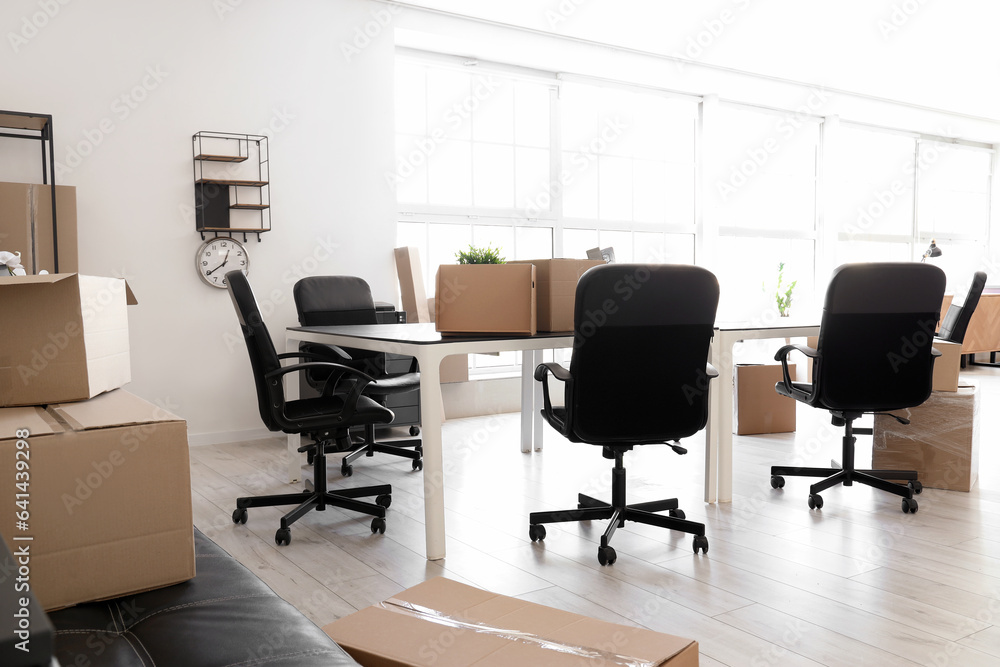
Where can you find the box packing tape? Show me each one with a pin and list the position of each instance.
(434, 616)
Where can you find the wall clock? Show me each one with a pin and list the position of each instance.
(217, 257)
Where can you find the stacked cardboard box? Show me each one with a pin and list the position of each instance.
(759, 408)
(99, 494)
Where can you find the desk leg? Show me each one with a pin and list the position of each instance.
(712, 430)
(293, 440)
(528, 391)
(432, 409)
(725, 435)
(536, 413)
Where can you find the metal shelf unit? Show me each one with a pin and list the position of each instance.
(219, 190)
(37, 127)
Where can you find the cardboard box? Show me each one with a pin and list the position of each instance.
(26, 225)
(108, 497)
(759, 408)
(941, 442)
(447, 624)
(486, 299)
(67, 339)
(411, 284)
(556, 281)
(947, 366)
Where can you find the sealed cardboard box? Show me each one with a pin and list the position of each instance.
(70, 341)
(556, 290)
(947, 366)
(759, 408)
(486, 299)
(26, 225)
(106, 494)
(447, 624)
(941, 442)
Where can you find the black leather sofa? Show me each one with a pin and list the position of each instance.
(224, 616)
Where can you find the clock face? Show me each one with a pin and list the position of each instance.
(217, 257)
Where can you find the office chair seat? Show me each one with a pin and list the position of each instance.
(321, 407)
(639, 377)
(390, 385)
(795, 387)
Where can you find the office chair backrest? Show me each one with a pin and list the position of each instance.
(641, 340)
(956, 321)
(333, 300)
(263, 357)
(876, 336)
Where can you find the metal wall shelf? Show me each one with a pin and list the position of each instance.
(220, 190)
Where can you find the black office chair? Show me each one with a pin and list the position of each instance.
(326, 419)
(874, 354)
(338, 300)
(956, 320)
(639, 375)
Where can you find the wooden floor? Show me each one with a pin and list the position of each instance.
(857, 583)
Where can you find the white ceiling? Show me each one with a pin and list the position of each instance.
(943, 55)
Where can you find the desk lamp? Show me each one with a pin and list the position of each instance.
(932, 251)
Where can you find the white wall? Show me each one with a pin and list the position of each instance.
(224, 65)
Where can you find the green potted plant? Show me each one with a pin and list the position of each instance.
(474, 255)
(485, 294)
(783, 292)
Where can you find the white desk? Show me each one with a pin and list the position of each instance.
(719, 434)
(429, 347)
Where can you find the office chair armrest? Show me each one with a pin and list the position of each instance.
(782, 356)
(340, 354)
(935, 352)
(338, 373)
(541, 375)
(711, 371)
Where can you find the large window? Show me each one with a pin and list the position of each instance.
(542, 165)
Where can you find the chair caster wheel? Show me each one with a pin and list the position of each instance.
(777, 482)
(417, 464)
(536, 532)
(283, 537)
(346, 470)
(815, 501)
(915, 486)
(414, 430)
(240, 515)
(678, 514)
(378, 525)
(606, 555)
(384, 500)
(909, 506)
(700, 542)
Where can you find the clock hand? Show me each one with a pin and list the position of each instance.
(224, 262)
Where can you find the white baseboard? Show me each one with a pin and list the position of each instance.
(202, 439)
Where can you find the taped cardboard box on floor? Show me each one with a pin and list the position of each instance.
(941, 442)
(26, 225)
(68, 340)
(486, 299)
(759, 408)
(447, 624)
(556, 281)
(107, 497)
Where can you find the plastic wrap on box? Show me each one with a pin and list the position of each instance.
(941, 442)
